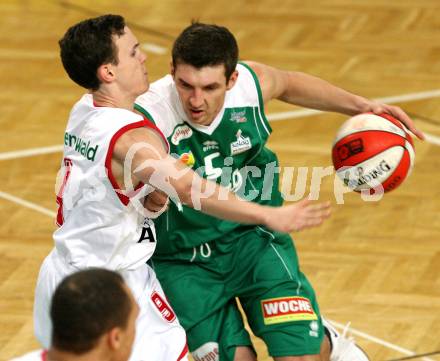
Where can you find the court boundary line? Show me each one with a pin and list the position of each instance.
(379, 341)
(27, 204)
(31, 152)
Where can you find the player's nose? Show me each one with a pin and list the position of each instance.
(196, 99)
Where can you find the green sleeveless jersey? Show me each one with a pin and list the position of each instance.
(230, 151)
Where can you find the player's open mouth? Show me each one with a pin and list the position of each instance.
(196, 112)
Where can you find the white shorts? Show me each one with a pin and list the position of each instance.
(159, 336)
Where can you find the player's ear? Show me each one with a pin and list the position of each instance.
(114, 338)
(232, 80)
(172, 70)
(106, 73)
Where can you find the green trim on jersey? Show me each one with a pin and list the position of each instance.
(260, 95)
(144, 112)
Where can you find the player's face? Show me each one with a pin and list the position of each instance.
(202, 91)
(131, 73)
(129, 333)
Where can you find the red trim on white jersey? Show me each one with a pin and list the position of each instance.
(151, 125)
(60, 217)
(108, 160)
(183, 353)
(44, 355)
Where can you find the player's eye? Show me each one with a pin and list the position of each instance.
(185, 85)
(135, 50)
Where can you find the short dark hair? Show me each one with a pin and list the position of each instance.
(89, 44)
(203, 45)
(85, 306)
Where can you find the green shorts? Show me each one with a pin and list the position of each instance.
(261, 270)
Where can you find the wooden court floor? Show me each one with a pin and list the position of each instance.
(374, 264)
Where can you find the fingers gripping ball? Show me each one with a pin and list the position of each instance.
(372, 151)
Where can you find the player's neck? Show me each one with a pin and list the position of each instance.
(101, 98)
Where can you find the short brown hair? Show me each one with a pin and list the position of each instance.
(86, 305)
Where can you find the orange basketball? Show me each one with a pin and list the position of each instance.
(373, 151)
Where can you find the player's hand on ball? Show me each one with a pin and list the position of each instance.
(396, 112)
(296, 217)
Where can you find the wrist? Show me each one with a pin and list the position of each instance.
(263, 215)
(360, 105)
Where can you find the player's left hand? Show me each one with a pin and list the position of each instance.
(297, 216)
(398, 113)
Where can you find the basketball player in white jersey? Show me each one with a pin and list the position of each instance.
(110, 152)
(94, 315)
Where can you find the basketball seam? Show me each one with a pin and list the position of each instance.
(369, 130)
(394, 171)
(374, 155)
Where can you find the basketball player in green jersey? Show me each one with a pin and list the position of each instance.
(211, 110)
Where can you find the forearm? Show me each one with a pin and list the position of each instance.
(185, 186)
(221, 203)
(215, 200)
(224, 204)
(311, 92)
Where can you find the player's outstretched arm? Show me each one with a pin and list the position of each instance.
(142, 154)
(312, 92)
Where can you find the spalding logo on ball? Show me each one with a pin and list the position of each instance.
(373, 152)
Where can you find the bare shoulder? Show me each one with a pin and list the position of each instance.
(258, 68)
(272, 80)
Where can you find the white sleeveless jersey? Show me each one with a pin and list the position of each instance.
(99, 225)
(39, 355)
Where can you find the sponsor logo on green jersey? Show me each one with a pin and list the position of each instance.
(242, 144)
(210, 145)
(81, 146)
(239, 117)
(181, 132)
